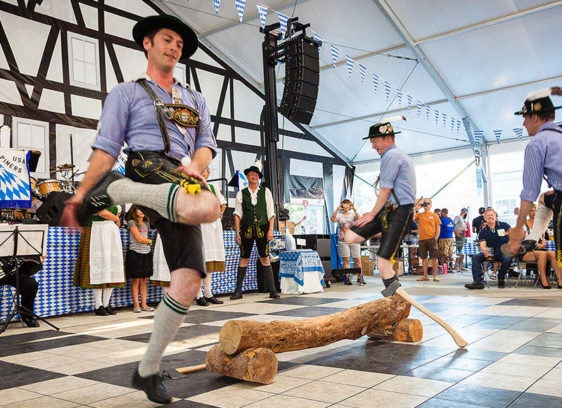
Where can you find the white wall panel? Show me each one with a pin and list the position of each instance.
(90, 15)
(57, 9)
(9, 92)
(119, 26)
(132, 62)
(247, 136)
(54, 73)
(85, 107)
(52, 101)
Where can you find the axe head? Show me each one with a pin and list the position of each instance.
(390, 290)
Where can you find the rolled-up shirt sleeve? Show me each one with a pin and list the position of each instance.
(533, 171)
(269, 204)
(113, 122)
(238, 205)
(205, 137)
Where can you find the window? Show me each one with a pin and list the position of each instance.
(84, 61)
(33, 135)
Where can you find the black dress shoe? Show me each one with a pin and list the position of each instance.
(201, 302)
(501, 283)
(274, 295)
(236, 296)
(30, 321)
(546, 286)
(213, 300)
(110, 310)
(153, 387)
(100, 311)
(474, 285)
(97, 198)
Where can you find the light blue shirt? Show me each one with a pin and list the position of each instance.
(129, 116)
(397, 173)
(543, 156)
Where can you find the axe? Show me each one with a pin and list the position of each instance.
(396, 288)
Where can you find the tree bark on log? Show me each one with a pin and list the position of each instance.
(256, 365)
(407, 330)
(279, 336)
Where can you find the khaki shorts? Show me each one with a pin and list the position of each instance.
(446, 247)
(428, 245)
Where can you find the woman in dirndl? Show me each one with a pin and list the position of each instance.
(100, 265)
(213, 245)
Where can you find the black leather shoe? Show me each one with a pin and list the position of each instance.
(97, 198)
(201, 302)
(30, 321)
(213, 300)
(100, 311)
(110, 310)
(274, 295)
(501, 283)
(236, 296)
(474, 285)
(153, 387)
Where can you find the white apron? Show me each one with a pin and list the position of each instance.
(106, 254)
(213, 242)
(160, 270)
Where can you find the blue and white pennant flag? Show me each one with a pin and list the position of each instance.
(452, 124)
(217, 4)
(362, 72)
(240, 8)
(283, 22)
(478, 136)
(387, 89)
(419, 107)
(375, 82)
(444, 116)
(436, 116)
(350, 62)
(409, 99)
(427, 111)
(458, 127)
(335, 51)
(317, 37)
(399, 96)
(262, 11)
(518, 132)
(498, 134)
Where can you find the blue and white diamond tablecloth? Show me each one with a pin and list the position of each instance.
(303, 267)
(57, 295)
(473, 248)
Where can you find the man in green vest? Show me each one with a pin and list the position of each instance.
(253, 220)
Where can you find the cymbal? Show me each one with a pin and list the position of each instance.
(67, 166)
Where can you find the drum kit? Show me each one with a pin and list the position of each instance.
(40, 191)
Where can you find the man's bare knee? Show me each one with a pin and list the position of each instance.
(184, 285)
(265, 261)
(194, 209)
(353, 238)
(244, 262)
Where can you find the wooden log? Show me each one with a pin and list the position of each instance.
(407, 330)
(238, 335)
(256, 365)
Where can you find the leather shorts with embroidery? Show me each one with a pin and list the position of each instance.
(251, 233)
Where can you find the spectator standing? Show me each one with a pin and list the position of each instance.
(429, 230)
(478, 222)
(461, 229)
(446, 239)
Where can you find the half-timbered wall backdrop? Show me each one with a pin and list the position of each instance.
(60, 58)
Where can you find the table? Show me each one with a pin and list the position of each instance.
(301, 272)
(473, 248)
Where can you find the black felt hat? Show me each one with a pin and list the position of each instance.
(147, 24)
(381, 130)
(256, 167)
(538, 102)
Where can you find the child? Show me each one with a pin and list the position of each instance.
(138, 263)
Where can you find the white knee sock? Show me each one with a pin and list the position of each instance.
(542, 218)
(208, 281)
(97, 297)
(159, 197)
(106, 296)
(199, 294)
(167, 320)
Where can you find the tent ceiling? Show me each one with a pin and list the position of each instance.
(481, 60)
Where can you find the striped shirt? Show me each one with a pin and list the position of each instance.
(135, 245)
(398, 174)
(543, 156)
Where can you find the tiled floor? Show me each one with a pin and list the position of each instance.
(514, 357)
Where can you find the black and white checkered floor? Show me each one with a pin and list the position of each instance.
(513, 359)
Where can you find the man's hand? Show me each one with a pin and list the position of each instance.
(364, 219)
(516, 236)
(68, 217)
(190, 171)
(238, 239)
(269, 235)
(542, 244)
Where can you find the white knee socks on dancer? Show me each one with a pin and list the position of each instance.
(208, 281)
(542, 218)
(106, 295)
(167, 320)
(98, 297)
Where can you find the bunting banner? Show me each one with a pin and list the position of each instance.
(419, 107)
(409, 99)
(452, 124)
(436, 116)
(217, 4)
(519, 133)
(316, 37)
(350, 62)
(375, 82)
(335, 54)
(240, 7)
(387, 88)
(498, 134)
(262, 11)
(444, 115)
(399, 96)
(362, 72)
(427, 111)
(478, 137)
(458, 126)
(283, 22)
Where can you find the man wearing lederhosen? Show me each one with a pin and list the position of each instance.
(254, 213)
(393, 210)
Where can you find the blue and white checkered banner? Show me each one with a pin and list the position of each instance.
(518, 132)
(242, 181)
(217, 4)
(15, 191)
(444, 116)
(316, 37)
(240, 7)
(387, 88)
(262, 11)
(498, 134)
(362, 72)
(350, 62)
(375, 82)
(335, 51)
(409, 99)
(436, 116)
(478, 136)
(399, 96)
(418, 108)
(283, 22)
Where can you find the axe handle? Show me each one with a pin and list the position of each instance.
(456, 337)
(191, 369)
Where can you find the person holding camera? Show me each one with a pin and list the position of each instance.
(429, 226)
(345, 215)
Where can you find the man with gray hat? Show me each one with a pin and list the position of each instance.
(543, 159)
(393, 209)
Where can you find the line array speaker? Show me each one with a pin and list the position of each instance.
(302, 76)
